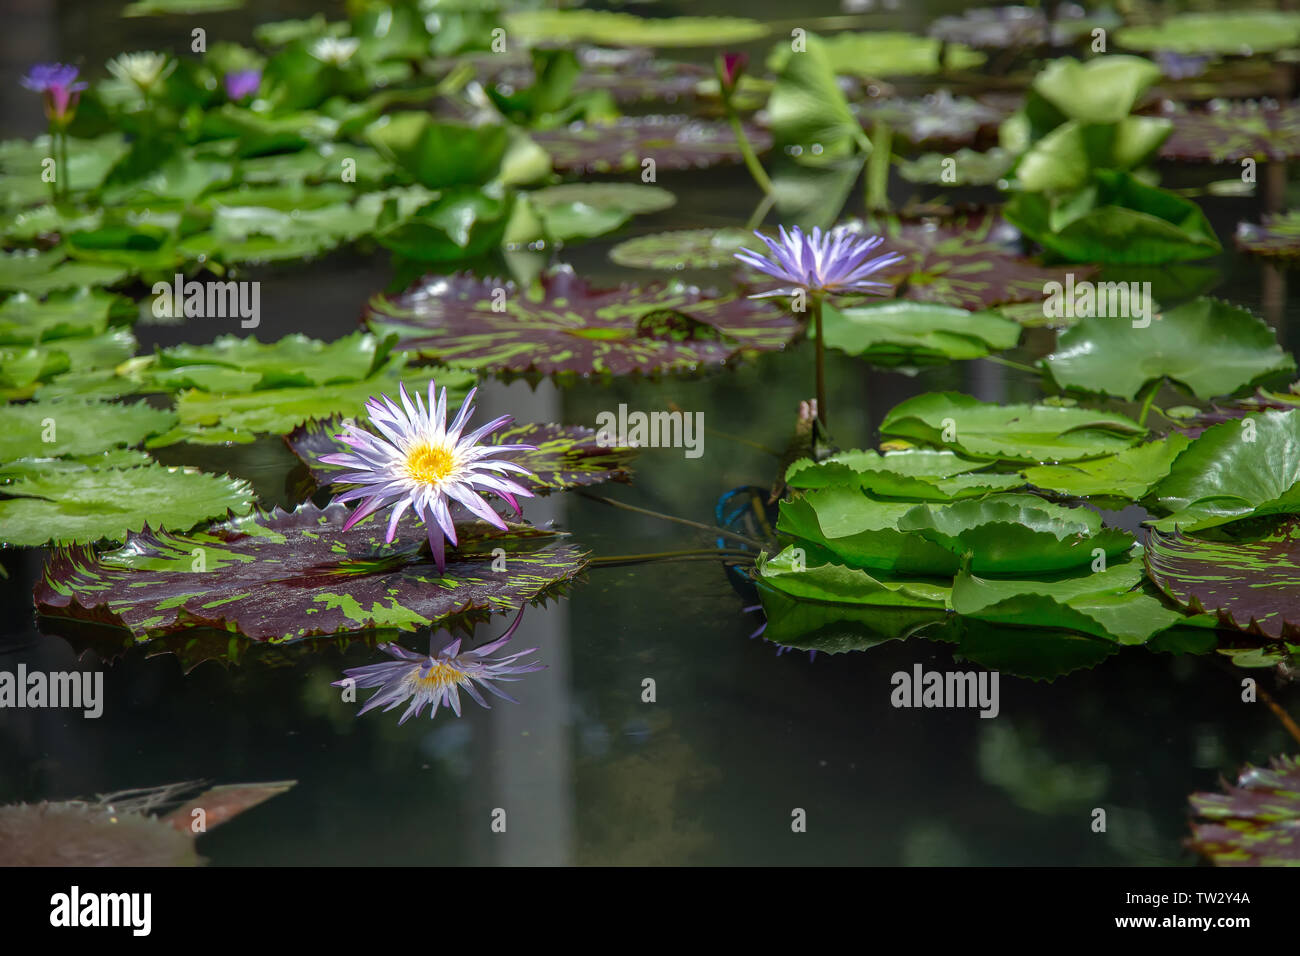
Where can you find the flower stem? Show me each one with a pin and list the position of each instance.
(710, 554)
(755, 168)
(686, 521)
(1146, 404)
(820, 359)
(1010, 363)
(876, 174)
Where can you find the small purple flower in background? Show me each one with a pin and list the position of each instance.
(242, 83)
(438, 677)
(420, 462)
(57, 84)
(834, 262)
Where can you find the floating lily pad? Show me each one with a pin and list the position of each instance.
(1208, 346)
(682, 249)
(286, 576)
(242, 363)
(56, 428)
(1128, 475)
(157, 8)
(1024, 433)
(1277, 236)
(21, 165)
(83, 505)
(567, 456)
(567, 327)
(1253, 823)
(967, 263)
(967, 168)
(1249, 584)
(1235, 132)
(37, 273)
(917, 474)
(883, 53)
(25, 319)
(796, 575)
(1243, 33)
(624, 29)
(1239, 469)
(939, 120)
(578, 210)
(1002, 28)
(916, 333)
(673, 142)
(24, 367)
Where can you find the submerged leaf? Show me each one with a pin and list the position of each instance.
(673, 142)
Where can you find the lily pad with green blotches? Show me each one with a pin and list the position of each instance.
(624, 29)
(70, 427)
(566, 327)
(1234, 132)
(1208, 346)
(281, 576)
(1242, 468)
(85, 504)
(916, 333)
(1109, 603)
(917, 474)
(882, 53)
(1129, 475)
(1276, 236)
(1249, 583)
(566, 456)
(967, 262)
(673, 142)
(1241, 33)
(965, 167)
(580, 210)
(1017, 432)
(938, 120)
(37, 273)
(1253, 823)
(683, 249)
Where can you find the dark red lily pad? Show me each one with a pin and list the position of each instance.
(1250, 584)
(1255, 823)
(1015, 27)
(1274, 236)
(283, 576)
(969, 262)
(939, 120)
(1233, 133)
(568, 328)
(567, 456)
(673, 142)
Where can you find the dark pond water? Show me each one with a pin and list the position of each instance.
(738, 736)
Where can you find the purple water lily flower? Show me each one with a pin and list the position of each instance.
(438, 677)
(420, 462)
(242, 83)
(56, 82)
(837, 261)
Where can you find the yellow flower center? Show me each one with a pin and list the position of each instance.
(439, 676)
(430, 464)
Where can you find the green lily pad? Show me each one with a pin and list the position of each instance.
(1276, 236)
(1243, 33)
(23, 368)
(566, 456)
(883, 53)
(967, 168)
(56, 428)
(1208, 346)
(1247, 583)
(673, 142)
(1234, 132)
(1253, 823)
(917, 474)
(567, 327)
(624, 29)
(21, 165)
(1022, 433)
(1130, 475)
(794, 574)
(1238, 469)
(1014, 27)
(25, 319)
(916, 333)
(234, 363)
(87, 504)
(37, 273)
(682, 249)
(938, 120)
(157, 8)
(581, 210)
(286, 576)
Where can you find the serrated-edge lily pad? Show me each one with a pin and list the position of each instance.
(1253, 823)
(917, 474)
(1276, 236)
(1207, 345)
(880, 53)
(916, 333)
(1131, 474)
(279, 576)
(625, 29)
(567, 327)
(567, 456)
(673, 142)
(1249, 584)
(71, 427)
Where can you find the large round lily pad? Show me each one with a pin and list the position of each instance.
(673, 142)
(1275, 236)
(567, 327)
(1240, 32)
(1253, 823)
(624, 29)
(916, 333)
(683, 249)
(1235, 132)
(285, 576)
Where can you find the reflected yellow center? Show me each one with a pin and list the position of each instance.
(439, 676)
(430, 464)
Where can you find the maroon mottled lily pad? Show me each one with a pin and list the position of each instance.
(939, 120)
(1254, 823)
(1249, 583)
(566, 456)
(283, 576)
(1275, 236)
(673, 142)
(967, 262)
(565, 327)
(1016, 27)
(1233, 133)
